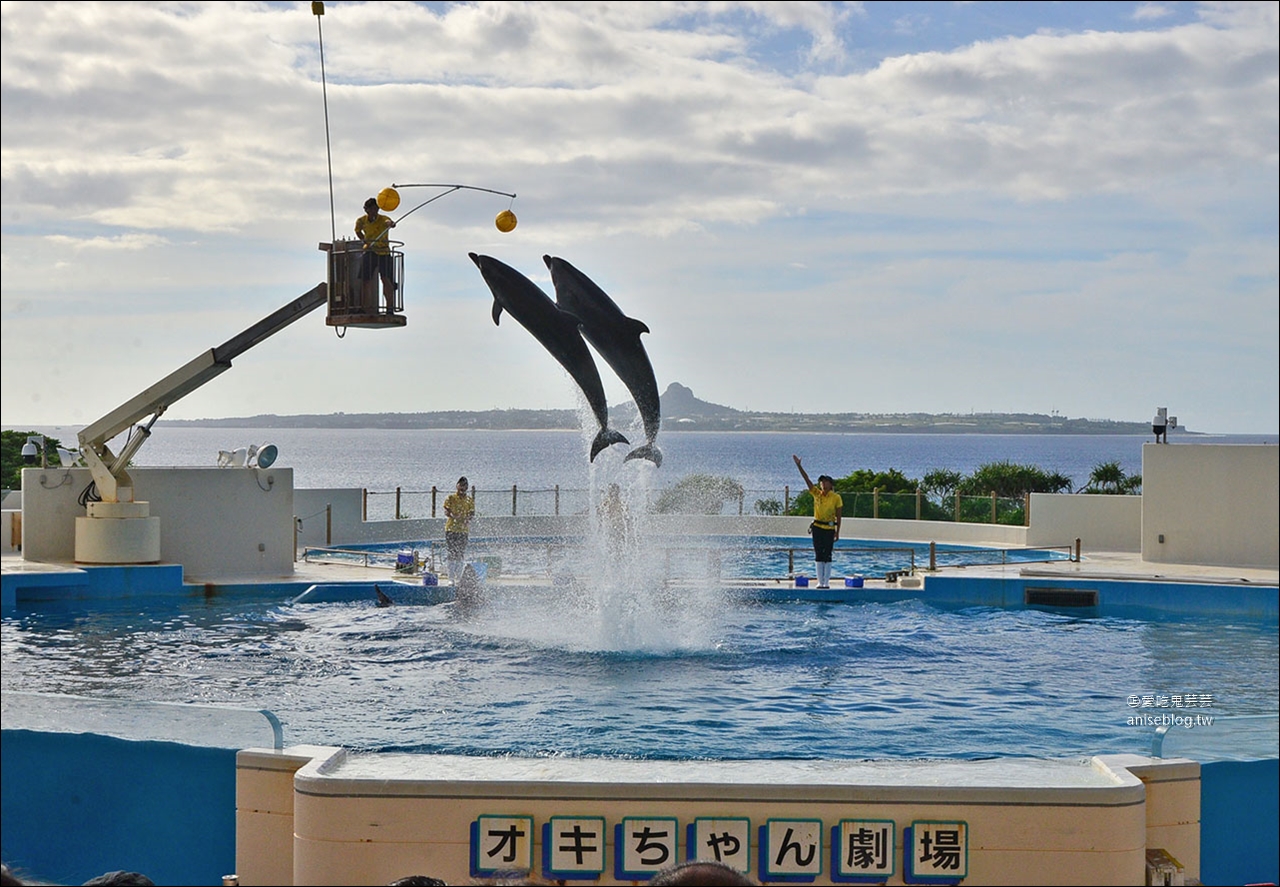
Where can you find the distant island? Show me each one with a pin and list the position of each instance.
(682, 411)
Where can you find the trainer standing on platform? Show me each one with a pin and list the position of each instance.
(372, 228)
(828, 509)
(459, 508)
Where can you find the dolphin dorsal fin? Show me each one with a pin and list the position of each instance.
(636, 326)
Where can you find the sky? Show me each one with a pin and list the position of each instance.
(814, 207)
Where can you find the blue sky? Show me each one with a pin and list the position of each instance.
(880, 207)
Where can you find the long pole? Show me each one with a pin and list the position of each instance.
(317, 9)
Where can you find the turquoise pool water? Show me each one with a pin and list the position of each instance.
(682, 676)
(728, 557)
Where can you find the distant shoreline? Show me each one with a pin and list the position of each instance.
(567, 420)
(682, 410)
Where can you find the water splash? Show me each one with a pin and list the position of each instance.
(614, 590)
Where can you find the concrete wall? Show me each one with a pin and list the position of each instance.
(327, 516)
(1101, 523)
(372, 818)
(216, 522)
(10, 530)
(1212, 504)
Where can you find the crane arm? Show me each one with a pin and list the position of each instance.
(110, 470)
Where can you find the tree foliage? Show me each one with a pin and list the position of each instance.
(699, 494)
(11, 443)
(896, 499)
(1012, 481)
(768, 506)
(1110, 478)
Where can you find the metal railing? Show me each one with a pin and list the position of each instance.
(717, 559)
(516, 501)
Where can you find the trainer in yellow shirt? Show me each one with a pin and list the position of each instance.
(459, 508)
(828, 509)
(373, 229)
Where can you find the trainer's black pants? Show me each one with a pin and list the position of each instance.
(823, 540)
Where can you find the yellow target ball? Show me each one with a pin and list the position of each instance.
(388, 199)
(506, 221)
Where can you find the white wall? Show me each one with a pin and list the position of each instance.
(217, 522)
(327, 516)
(1213, 504)
(12, 522)
(1101, 523)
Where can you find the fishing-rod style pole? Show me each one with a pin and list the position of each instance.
(454, 187)
(451, 188)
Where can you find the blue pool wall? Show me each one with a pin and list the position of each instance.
(76, 805)
(1240, 822)
(84, 585)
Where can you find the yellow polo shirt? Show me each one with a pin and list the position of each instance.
(824, 507)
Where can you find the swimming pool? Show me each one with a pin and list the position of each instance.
(701, 556)
(685, 677)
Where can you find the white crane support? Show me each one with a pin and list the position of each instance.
(110, 471)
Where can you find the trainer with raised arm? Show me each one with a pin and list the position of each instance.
(828, 509)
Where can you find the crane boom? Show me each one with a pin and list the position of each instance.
(110, 470)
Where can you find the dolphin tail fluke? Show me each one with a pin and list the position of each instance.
(606, 438)
(648, 451)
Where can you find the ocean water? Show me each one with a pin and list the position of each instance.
(383, 459)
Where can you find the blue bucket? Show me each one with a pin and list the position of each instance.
(852, 581)
(430, 578)
(802, 582)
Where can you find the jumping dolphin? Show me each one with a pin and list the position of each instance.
(617, 338)
(556, 330)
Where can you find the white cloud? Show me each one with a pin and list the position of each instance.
(704, 158)
(132, 242)
(1151, 11)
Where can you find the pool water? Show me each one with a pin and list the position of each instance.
(727, 557)
(680, 676)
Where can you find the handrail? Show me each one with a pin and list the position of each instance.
(557, 547)
(997, 510)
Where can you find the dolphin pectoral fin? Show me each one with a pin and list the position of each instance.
(648, 451)
(497, 311)
(607, 437)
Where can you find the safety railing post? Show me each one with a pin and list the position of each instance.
(513, 500)
(557, 500)
(397, 503)
(434, 491)
(919, 502)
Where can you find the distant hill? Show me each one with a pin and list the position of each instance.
(682, 411)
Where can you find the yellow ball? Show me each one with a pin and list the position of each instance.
(506, 221)
(388, 199)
